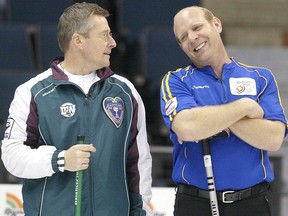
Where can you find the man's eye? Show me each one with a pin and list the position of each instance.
(107, 36)
(197, 28)
(183, 38)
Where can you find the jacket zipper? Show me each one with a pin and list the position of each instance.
(223, 88)
(91, 184)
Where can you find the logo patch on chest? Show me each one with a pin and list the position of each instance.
(242, 86)
(68, 109)
(114, 109)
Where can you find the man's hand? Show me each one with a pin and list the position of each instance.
(78, 157)
(254, 110)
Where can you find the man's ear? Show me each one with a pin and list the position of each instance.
(217, 23)
(77, 40)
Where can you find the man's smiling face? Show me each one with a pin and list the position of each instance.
(197, 37)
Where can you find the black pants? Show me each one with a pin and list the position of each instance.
(259, 205)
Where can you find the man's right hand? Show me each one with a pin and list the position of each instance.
(77, 157)
(254, 110)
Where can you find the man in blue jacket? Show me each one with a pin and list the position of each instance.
(80, 95)
(213, 94)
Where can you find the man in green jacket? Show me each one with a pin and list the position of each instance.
(79, 94)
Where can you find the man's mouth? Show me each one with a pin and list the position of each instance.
(199, 46)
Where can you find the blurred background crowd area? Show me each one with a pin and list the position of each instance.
(255, 32)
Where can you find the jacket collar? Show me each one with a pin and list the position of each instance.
(58, 74)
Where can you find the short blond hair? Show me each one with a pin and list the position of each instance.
(207, 13)
(74, 19)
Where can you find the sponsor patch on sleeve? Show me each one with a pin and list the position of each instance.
(171, 105)
(9, 126)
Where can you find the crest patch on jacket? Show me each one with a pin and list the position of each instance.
(114, 109)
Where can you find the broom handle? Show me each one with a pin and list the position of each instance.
(78, 184)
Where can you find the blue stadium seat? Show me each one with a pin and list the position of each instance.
(36, 11)
(16, 48)
(48, 45)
